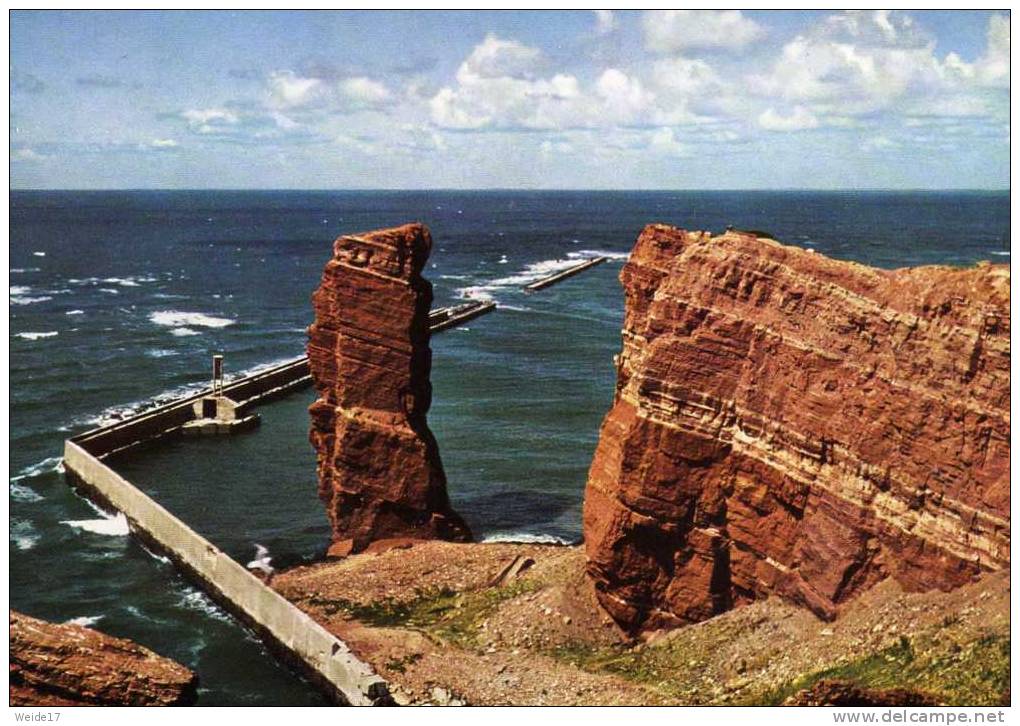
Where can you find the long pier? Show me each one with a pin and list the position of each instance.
(450, 317)
(245, 394)
(564, 274)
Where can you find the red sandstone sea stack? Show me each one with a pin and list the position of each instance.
(380, 475)
(789, 424)
(71, 665)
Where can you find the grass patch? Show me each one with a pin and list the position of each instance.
(449, 615)
(399, 665)
(974, 675)
(654, 668)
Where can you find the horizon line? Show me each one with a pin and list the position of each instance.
(509, 189)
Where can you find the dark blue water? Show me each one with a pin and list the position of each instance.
(117, 296)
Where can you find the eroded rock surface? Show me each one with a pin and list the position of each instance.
(789, 424)
(380, 475)
(71, 665)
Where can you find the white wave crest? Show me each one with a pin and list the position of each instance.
(19, 295)
(23, 270)
(21, 493)
(52, 464)
(487, 290)
(23, 535)
(37, 336)
(39, 254)
(180, 320)
(1001, 253)
(86, 621)
(115, 525)
(75, 312)
(525, 538)
(599, 253)
(197, 600)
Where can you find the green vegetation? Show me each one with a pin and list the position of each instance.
(399, 665)
(443, 613)
(973, 675)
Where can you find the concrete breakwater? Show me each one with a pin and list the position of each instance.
(326, 659)
(298, 639)
(563, 275)
(245, 394)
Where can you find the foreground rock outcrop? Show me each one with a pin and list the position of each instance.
(380, 475)
(71, 665)
(789, 424)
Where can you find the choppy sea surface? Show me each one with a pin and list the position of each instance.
(119, 297)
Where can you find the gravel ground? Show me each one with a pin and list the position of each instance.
(438, 622)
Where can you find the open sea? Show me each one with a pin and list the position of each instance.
(117, 297)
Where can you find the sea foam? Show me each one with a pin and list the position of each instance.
(20, 296)
(23, 534)
(526, 538)
(114, 525)
(487, 290)
(86, 621)
(181, 320)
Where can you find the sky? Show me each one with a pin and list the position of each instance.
(698, 99)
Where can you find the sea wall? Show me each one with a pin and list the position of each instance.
(168, 419)
(324, 657)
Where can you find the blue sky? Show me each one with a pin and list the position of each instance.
(659, 99)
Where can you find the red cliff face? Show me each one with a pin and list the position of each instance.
(380, 475)
(70, 665)
(789, 424)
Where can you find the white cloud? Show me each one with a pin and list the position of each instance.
(605, 22)
(624, 97)
(664, 141)
(674, 31)
(205, 116)
(993, 66)
(497, 88)
(365, 91)
(495, 57)
(210, 120)
(878, 143)
(26, 154)
(860, 63)
(448, 112)
(798, 120)
(556, 148)
(289, 90)
(163, 143)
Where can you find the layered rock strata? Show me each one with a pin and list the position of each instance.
(789, 424)
(380, 475)
(71, 665)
